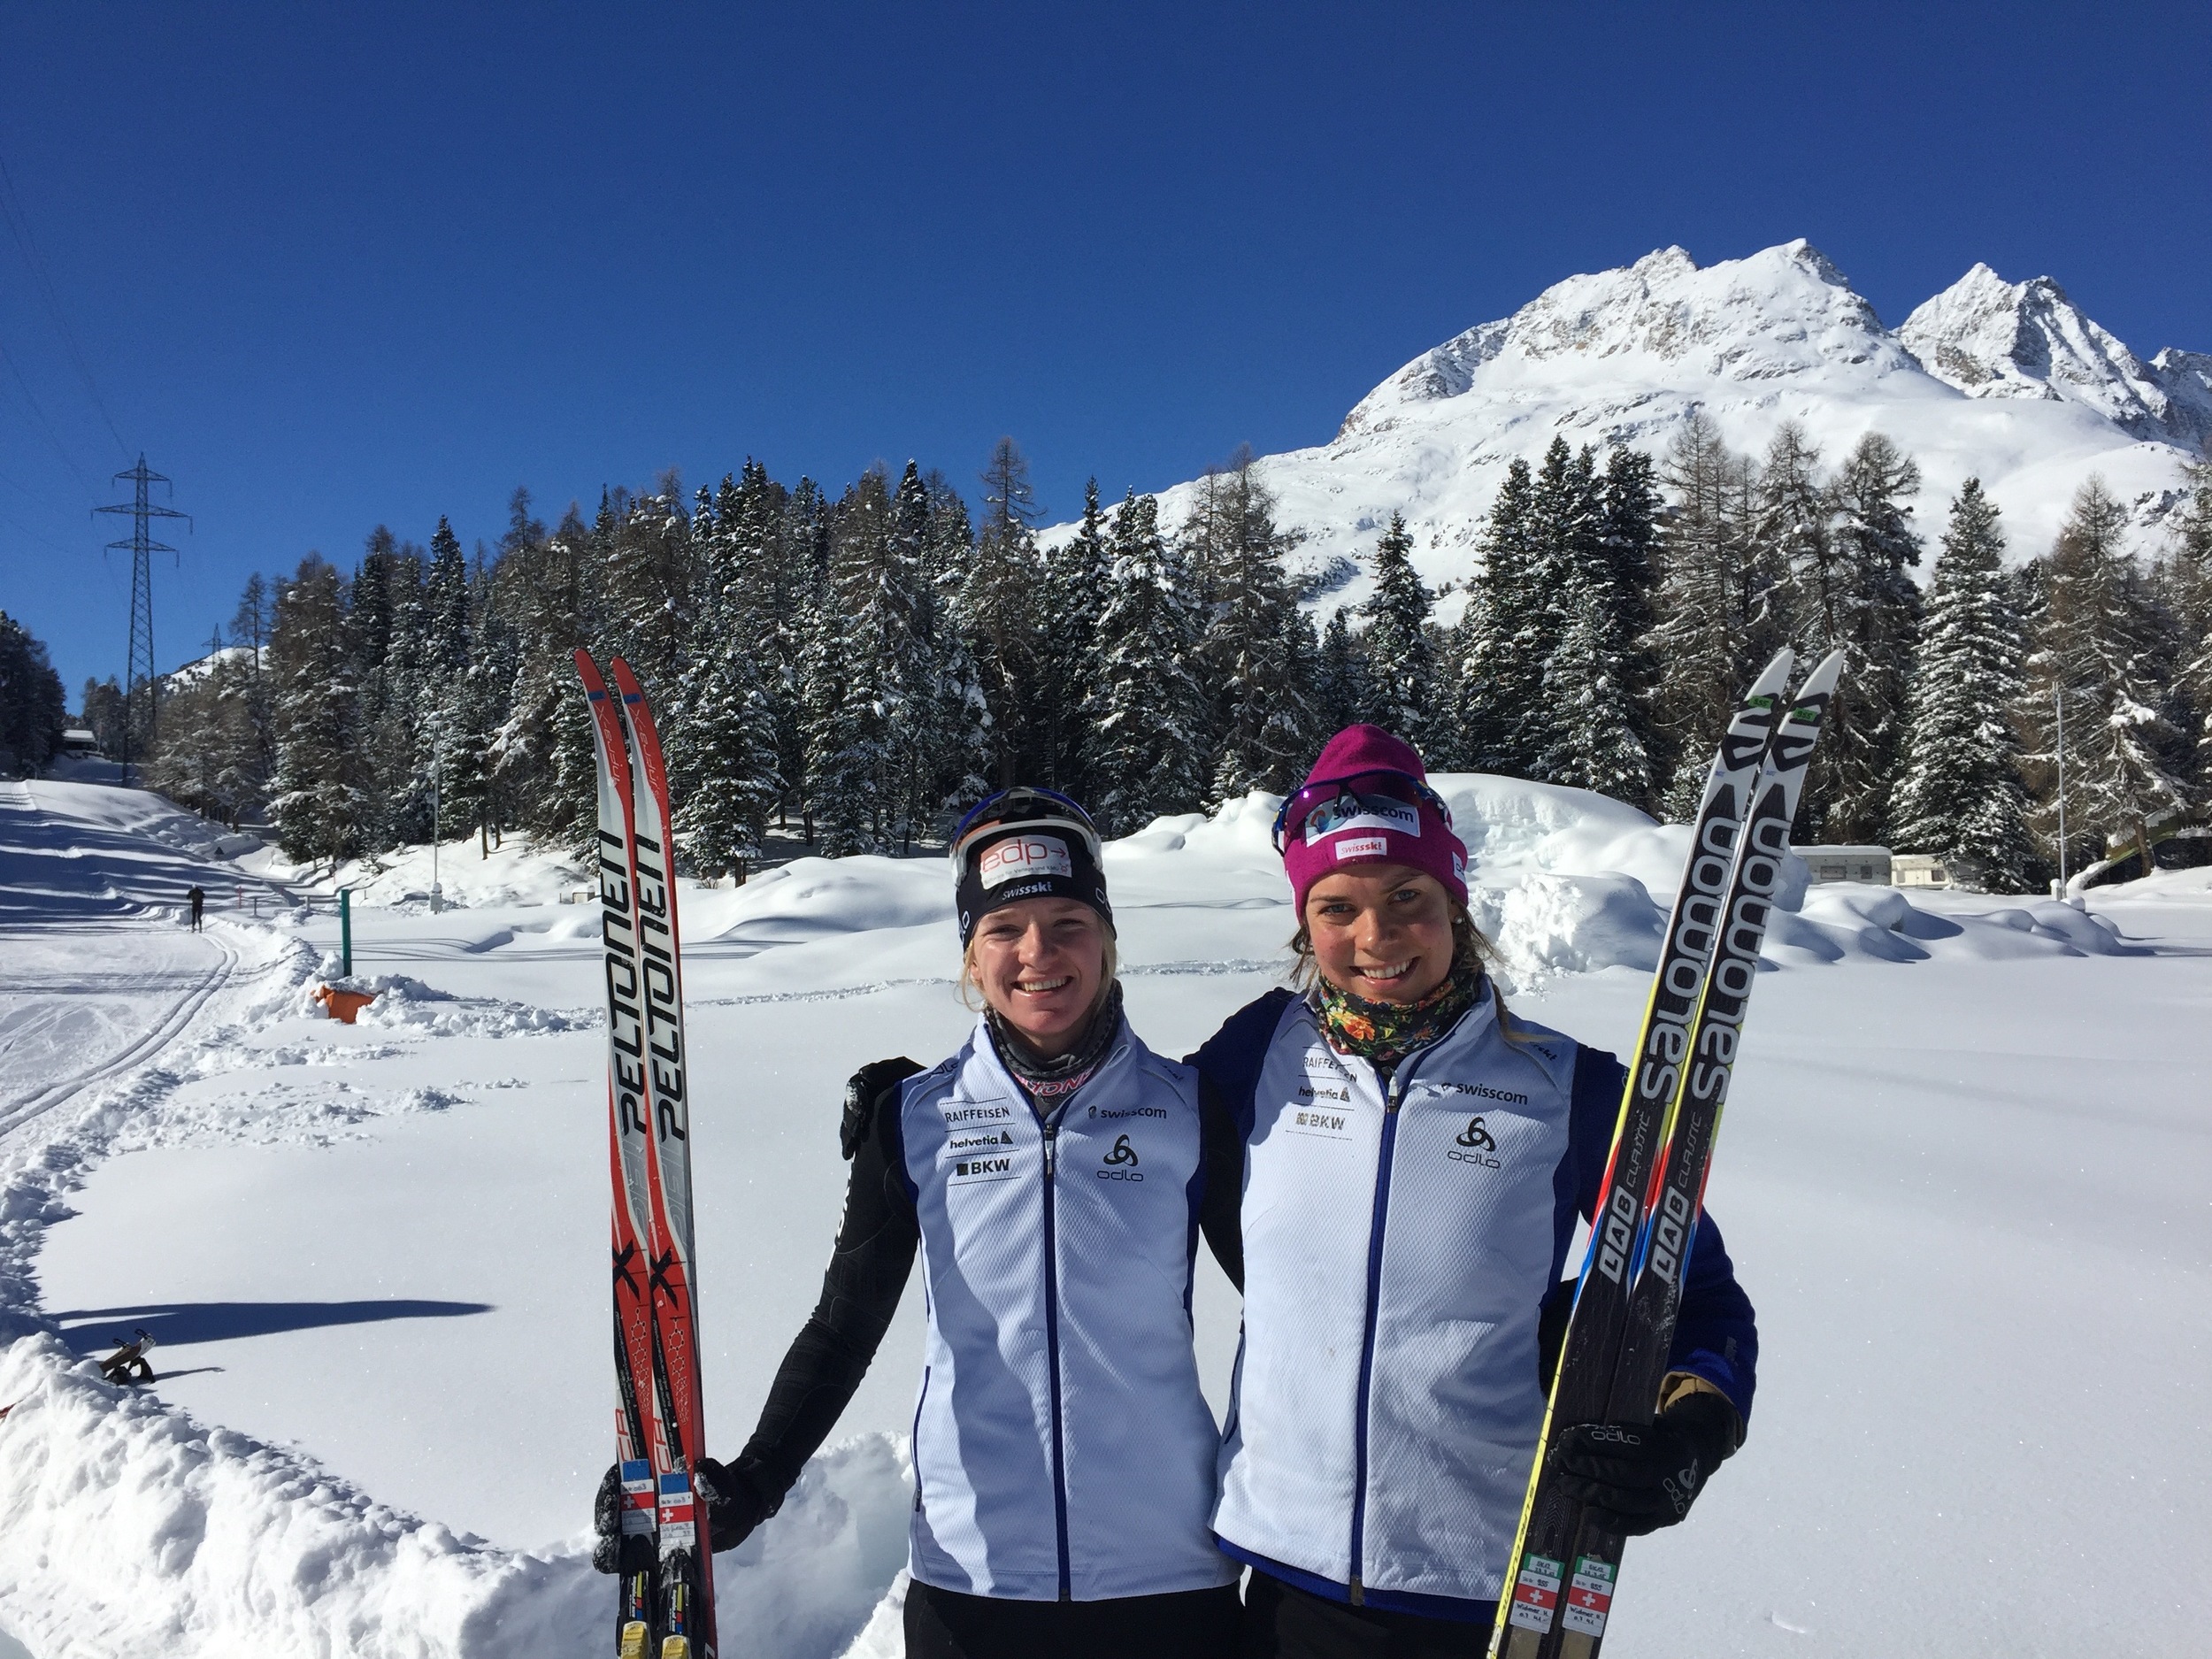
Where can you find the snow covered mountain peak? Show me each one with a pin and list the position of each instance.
(2006, 382)
(1781, 312)
(1990, 338)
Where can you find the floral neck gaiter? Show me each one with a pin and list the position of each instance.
(1383, 1033)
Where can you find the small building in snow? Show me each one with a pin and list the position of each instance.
(1847, 864)
(76, 739)
(1922, 869)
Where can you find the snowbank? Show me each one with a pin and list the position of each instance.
(406, 1004)
(468, 877)
(126, 1528)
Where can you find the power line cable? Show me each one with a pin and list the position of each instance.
(45, 425)
(18, 483)
(46, 540)
(11, 206)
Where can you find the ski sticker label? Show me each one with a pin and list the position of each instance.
(1590, 1596)
(1537, 1592)
(679, 1530)
(637, 1495)
(1024, 856)
(1364, 847)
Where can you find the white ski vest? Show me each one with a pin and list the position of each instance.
(1396, 1250)
(1062, 1447)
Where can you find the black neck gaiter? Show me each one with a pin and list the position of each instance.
(1049, 1082)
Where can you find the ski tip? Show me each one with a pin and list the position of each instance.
(1774, 675)
(636, 1640)
(626, 682)
(1823, 680)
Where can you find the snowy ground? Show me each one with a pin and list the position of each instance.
(1966, 1182)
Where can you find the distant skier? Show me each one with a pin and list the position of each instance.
(1415, 1159)
(1054, 1176)
(198, 900)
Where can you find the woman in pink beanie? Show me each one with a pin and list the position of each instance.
(1414, 1166)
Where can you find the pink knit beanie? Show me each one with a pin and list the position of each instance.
(1358, 806)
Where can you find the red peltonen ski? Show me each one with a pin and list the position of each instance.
(667, 1600)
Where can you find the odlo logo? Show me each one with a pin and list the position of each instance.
(1125, 1156)
(1480, 1144)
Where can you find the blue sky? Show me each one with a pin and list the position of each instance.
(332, 266)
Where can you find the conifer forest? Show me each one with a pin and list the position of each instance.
(845, 672)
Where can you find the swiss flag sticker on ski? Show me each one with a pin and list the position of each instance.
(1589, 1596)
(1536, 1592)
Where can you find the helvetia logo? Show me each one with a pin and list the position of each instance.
(1122, 1161)
(1479, 1143)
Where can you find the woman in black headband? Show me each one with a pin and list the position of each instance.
(1054, 1175)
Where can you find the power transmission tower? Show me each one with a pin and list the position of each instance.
(141, 548)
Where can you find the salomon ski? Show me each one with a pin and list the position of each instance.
(686, 1573)
(1566, 1568)
(1592, 1339)
(636, 1391)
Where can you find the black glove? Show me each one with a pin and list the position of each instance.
(734, 1506)
(734, 1509)
(1637, 1478)
(863, 1089)
(609, 1548)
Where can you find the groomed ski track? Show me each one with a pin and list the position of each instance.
(170, 1024)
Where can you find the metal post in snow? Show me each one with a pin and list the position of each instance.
(436, 897)
(345, 932)
(2059, 692)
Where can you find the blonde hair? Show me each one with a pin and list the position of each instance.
(971, 988)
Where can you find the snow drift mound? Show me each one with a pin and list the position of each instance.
(468, 876)
(1561, 880)
(128, 1528)
(813, 898)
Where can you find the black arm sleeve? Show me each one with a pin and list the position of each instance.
(868, 1271)
(1221, 1148)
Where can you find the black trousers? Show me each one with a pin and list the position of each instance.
(1283, 1622)
(1185, 1625)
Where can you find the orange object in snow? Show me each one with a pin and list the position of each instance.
(343, 1005)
